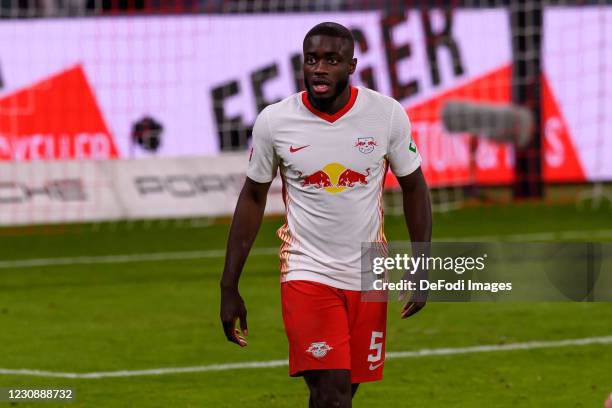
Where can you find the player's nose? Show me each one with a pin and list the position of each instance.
(321, 68)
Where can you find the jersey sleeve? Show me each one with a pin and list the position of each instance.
(263, 161)
(403, 155)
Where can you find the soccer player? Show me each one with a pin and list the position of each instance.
(333, 144)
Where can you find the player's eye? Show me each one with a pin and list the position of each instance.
(310, 60)
(332, 60)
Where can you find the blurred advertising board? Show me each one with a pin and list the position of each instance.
(74, 88)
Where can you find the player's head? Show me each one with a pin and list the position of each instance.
(328, 60)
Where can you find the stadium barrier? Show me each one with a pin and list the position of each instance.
(79, 191)
(81, 92)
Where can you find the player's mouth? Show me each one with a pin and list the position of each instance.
(320, 86)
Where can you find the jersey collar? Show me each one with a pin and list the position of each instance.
(327, 116)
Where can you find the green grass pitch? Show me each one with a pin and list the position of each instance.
(153, 314)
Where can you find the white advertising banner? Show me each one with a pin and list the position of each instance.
(79, 191)
(56, 192)
(75, 88)
(578, 68)
(185, 187)
(114, 71)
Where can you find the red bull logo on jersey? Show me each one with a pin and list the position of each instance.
(335, 178)
(319, 179)
(348, 178)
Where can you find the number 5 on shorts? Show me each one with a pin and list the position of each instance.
(377, 347)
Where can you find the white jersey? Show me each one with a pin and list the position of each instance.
(333, 169)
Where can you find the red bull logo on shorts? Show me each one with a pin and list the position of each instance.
(335, 178)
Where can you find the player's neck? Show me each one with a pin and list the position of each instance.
(333, 106)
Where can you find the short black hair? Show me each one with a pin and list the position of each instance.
(331, 29)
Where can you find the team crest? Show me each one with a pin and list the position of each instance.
(319, 349)
(366, 144)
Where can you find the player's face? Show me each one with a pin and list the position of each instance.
(328, 63)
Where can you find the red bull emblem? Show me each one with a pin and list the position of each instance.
(349, 178)
(335, 178)
(366, 144)
(319, 179)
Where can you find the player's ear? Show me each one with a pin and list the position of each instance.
(352, 66)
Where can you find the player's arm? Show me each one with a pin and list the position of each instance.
(405, 162)
(263, 164)
(417, 212)
(245, 225)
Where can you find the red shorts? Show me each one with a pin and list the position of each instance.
(331, 328)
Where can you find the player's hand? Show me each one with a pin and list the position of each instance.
(233, 309)
(417, 302)
(417, 299)
(608, 403)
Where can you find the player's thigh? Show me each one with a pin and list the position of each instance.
(316, 323)
(329, 387)
(368, 328)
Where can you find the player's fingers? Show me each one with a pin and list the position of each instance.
(243, 325)
(228, 328)
(239, 338)
(407, 310)
(412, 308)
